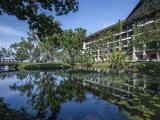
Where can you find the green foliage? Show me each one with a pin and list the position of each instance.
(8, 113)
(42, 66)
(118, 59)
(102, 66)
(38, 13)
(49, 46)
(23, 9)
(44, 26)
(36, 53)
(149, 67)
(120, 29)
(23, 49)
(32, 50)
(5, 53)
(72, 42)
(49, 95)
(101, 44)
(84, 59)
(145, 34)
(62, 55)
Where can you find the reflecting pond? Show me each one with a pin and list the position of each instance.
(79, 95)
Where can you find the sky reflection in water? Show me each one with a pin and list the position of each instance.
(82, 95)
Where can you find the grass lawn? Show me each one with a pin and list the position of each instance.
(102, 66)
(42, 66)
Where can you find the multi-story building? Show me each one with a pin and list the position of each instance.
(103, 46)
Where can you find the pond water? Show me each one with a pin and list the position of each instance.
(80, 95)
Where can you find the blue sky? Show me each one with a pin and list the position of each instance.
(92, 16)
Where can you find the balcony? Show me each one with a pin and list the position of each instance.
(124, 43)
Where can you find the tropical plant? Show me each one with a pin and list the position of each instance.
(118, 59)
(145, 35)
(84, 58)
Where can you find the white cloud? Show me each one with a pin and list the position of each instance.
(11, 31)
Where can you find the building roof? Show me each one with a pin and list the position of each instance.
(144, 7)
(104, 29)
(136, 13)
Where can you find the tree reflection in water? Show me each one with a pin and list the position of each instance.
(47, 94)
(139, 95)
(6, 113)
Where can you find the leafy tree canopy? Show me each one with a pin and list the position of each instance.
(44, 26)
(5, 53)
(23, 50)
(38, 13)
(72, 41)
(26, 9)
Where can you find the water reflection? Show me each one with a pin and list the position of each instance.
(46, 92)
(75, 94)
(140, 95)
(6, 113)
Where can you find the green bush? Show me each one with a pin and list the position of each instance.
(149, 67)
(44, 66)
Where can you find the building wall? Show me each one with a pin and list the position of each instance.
(101, 53)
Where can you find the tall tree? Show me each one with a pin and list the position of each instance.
(120, 29)
(72, 41)
(36, 54)
(23, 50)
(4, 52)
(25, 9)
(38, 13)
(44, 26)
(49, 46)
(84, 58)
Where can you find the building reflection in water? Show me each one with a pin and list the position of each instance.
(138, 94)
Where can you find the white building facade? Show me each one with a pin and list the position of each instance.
(151, 52)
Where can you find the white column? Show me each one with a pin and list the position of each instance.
(144, 52)
(84, 45)
(134, 56)
(98, 55)
(120, 45)
(158, 53)
(158, 56)
(6, 68)
(145, 82)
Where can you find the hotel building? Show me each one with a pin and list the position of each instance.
(150, 51)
